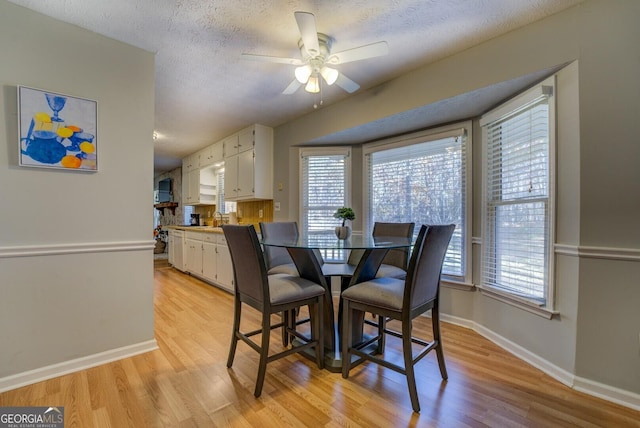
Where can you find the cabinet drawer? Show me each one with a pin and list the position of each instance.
(197, 236)
(210, 237)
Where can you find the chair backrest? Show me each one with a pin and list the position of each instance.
(249, 270)
(398, 257)
(423, 276)
(276, 256)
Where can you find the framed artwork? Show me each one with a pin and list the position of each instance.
(57, 131)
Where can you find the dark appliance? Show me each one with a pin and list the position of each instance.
(163, 194)
(195, 220)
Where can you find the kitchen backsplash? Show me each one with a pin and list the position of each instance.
(247, 212)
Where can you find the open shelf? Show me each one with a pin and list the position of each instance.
(171, 205)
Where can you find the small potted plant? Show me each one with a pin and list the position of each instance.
(344, 213)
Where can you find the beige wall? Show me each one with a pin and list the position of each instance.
(76, 264)
(593, 343)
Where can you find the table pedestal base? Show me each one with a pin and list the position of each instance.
(333, 359)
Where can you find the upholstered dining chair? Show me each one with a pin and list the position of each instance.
(279, 262)
(277, 258)
(403, 300)
(394, 264)
(269, 294)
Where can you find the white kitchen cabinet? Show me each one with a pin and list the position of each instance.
(191, 179)
(190, 187)
(191, 162)
(239, 142)
(176, 249)
(193, 259)
(199, 180)
(249, 172)
(209, 261)
(224, 268)
(212, 154)
(207, 257)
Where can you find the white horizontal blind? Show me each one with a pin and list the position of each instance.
(423, 182)
(516, 242)
(221, 205)
(324, 190)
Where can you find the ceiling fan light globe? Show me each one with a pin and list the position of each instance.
(313, 85)
(330, 75)
(302, 73)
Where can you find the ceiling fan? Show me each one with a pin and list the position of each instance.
(317, 59)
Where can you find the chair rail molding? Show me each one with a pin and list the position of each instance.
(593, 252)
(74, 248)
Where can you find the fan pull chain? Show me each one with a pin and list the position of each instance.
(315, 105)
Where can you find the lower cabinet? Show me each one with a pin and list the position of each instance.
(177, 249)
(193, 260)
(224, 274)
(207, 256)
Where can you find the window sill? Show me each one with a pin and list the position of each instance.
(457, 285)
(526, 305)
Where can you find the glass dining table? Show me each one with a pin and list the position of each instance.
(303, 251)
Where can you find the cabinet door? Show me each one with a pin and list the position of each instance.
(216, 152)
(230, 146)
(231, 178)
(194, 187)
(205, 157)
(245, 140)
(185, 182)
(225, 269)
(246, 174)
(193, 257)
(209, 262)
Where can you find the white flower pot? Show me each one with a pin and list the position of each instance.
(343, 232)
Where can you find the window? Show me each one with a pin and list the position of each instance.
(518, 195)
(325, 174)
(187, 211)
(222, 206)
(423, 178)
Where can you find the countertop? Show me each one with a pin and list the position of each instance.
(208, 229)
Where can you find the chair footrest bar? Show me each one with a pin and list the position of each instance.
(254, 332)
(290, 351)
(385, 363)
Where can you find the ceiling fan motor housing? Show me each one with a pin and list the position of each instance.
(316, 59)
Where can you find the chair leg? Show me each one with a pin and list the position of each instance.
(346, 338)
(285, 325)
(382, 325)
(435, 324)
(264, 353)
(408, 365)
(236, 327)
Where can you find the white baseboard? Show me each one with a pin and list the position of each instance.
(83, 363)
(606, 392)
(596, 389)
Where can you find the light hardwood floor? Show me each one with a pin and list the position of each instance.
(186, 383)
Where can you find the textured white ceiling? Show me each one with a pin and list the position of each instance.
(205, 91)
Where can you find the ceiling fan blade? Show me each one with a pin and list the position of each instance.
(347, 84)
(277, 59)
(292, 88)
(307, 26)
(363, 52)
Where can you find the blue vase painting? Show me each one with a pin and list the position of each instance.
(57, 131)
